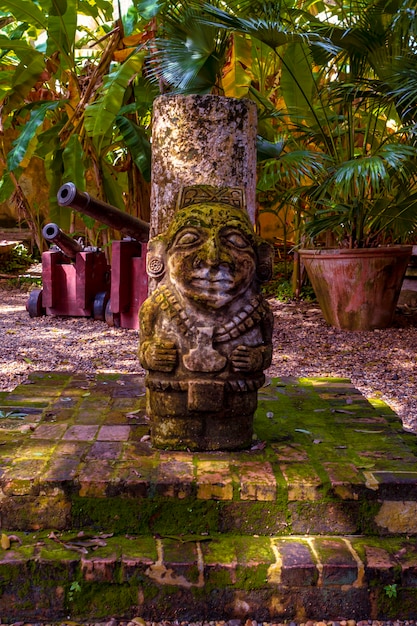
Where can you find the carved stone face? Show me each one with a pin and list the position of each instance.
(211, 254)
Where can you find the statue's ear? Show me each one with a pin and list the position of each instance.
(155, 259)
(265, 261)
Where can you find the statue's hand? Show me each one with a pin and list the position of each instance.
(159, 355)
(247, 359)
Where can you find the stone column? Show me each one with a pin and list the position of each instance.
(201, 140)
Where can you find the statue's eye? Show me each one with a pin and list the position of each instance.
(236, 239)
(187, 238)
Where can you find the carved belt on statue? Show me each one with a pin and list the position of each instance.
(205, 395)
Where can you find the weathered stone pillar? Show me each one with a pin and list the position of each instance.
(201, 140)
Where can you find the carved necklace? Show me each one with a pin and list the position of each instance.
(242, 321)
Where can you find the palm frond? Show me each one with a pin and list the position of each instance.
(188, 55)
(271, 30)
(292, 169)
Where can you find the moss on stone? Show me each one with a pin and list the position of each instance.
(99, 600)
(248, 518)
(391, 544)
(219, 577)
(159, 515)
(390, 606)
(16, 401)
(220, 550)
(368, 511)
(250, 579)
(253, 551)
(107, 377)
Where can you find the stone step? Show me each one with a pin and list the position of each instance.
(317, 520)
(75, 454)
(48, 575)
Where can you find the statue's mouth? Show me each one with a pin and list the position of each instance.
(211, 284)
(212, 280)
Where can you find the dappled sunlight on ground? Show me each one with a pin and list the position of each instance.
(380, 363)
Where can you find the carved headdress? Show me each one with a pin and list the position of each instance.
(200, 205)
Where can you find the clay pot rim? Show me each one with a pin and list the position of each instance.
(356, 252)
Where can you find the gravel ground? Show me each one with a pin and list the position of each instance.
(138, 621)
(380, 363)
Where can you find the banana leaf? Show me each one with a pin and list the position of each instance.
(73, 161)
(138, 144)
(25, 11)
(100, 115)
(237, 74)
(21, 144)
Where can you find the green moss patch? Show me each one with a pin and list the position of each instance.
(162, 515)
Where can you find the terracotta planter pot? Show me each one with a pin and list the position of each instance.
(357, 289)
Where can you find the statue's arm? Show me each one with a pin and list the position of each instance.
(256, 358)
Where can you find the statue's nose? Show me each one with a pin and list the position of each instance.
(212, 251)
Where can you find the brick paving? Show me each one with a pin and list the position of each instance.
(318, 519)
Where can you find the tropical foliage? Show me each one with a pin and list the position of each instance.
(73, 95)
(336, 89)
(335, 84)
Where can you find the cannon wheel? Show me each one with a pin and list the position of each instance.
(34, 304)
(99, 305)
(112, 319)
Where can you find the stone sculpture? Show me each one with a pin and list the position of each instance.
(206, 331)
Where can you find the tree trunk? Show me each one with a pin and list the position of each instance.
(201, 140)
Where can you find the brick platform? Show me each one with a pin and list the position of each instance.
(317, 520)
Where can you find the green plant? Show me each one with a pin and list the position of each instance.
(25, 282)
(17, 259)
(391, 590)
(335, 84)
(280, 286)
(74, 588)
(344, 120)
(16, 263)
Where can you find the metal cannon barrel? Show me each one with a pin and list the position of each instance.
(68, 195)
(67, 244)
